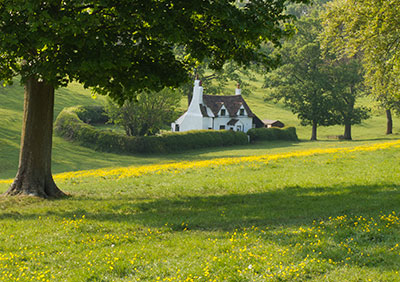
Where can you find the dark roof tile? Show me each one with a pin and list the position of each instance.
(231, 103)
(233, 121)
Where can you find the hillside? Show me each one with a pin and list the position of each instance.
(68, 156)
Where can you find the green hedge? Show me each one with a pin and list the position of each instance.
(70, 125)
(91, 114)
(269, 134)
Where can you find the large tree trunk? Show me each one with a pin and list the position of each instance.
(34, 171)
(347, 131)
(389, 124)
(314, 132)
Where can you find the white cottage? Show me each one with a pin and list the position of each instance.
(216, 112)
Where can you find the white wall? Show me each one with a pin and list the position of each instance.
(193, 118)
(246, 122)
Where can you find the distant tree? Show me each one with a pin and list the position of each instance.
(118, 48)
(321, 90)
(302, 82)
(347, 85)
(369, 29)
(146, 114)
(391, 105)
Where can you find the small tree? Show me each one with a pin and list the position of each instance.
(147, 114)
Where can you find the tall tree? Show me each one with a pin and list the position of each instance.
(117, 48)
(370, 29)
(302, 81)
(321, 90)
(346, 82)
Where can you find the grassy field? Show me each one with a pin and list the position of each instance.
(68, 156)
(309, 215)
(271, 211)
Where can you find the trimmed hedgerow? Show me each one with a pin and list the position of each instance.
(269, 134)
(71, 125)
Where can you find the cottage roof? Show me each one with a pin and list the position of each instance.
(231, 103)
(233, 121)
(203, 110)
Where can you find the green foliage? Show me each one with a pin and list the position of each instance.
(70, 126)
(269, 134)
(73, 40)
(196, 139)
(347, 79)
(147, 114)
(302, 82)
(91, 114)
(321, 90)
(368, 29)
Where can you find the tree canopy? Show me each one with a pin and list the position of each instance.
(118, 48)
(115, 45)
(369, 29)
(321, 90)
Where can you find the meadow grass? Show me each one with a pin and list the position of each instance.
(68, 156)
(323, 215)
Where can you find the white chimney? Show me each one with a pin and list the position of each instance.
(197, 98)
(238, 91)
(200, 92)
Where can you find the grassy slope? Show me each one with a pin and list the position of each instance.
(68, 156)
(331, 217)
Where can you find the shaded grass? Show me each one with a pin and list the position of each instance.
(331, 217)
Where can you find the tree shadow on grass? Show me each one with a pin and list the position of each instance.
(292, 206)
(281, 211)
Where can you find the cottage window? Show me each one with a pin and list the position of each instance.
(176, 127)
(222, 127)
(223, 112)
(239, 128)
(241, 112)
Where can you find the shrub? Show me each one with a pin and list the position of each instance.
(69, 124)
(91, 114)
(269, 134)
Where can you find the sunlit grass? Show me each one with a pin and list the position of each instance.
(321, 216)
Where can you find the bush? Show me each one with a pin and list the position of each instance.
(70, 125)
(175, 141)
(269, 134)
(91, 114)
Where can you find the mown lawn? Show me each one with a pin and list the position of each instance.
(323, 216)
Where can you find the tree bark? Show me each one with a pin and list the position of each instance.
(314, 132)
(34, 175)
(347, 131)
(389, 125)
